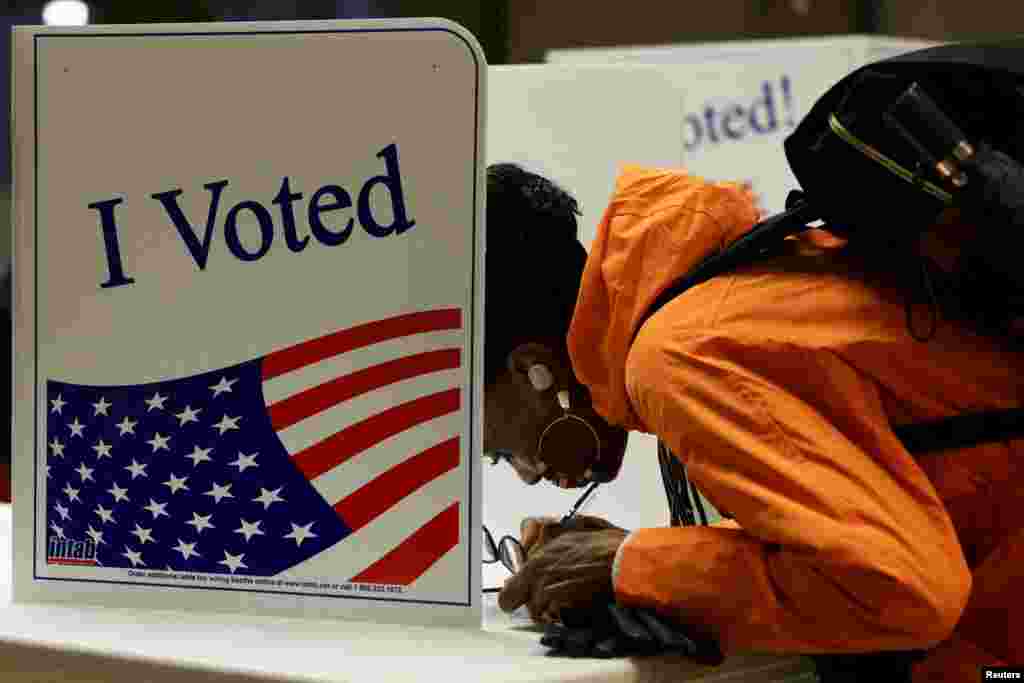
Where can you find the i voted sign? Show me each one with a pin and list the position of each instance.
(327, 199)
(248, 288)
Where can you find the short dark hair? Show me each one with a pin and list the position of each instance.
(534, 263)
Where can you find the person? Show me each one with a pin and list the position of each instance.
(778, 386)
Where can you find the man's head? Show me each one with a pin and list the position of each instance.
(534, 267)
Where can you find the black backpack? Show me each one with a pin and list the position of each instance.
(882, 130)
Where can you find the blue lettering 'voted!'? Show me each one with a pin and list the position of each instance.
(324, 215)
(767, 113)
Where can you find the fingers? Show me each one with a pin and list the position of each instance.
(563, 568)
(550, 603)
(542, 610)
(531, 585)
(545, 607)
(582, 523)
(542, 586)
(516, 591)
(521, 586)
(591, 523)
(534, 531)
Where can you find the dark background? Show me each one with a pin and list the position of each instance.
(520, 31)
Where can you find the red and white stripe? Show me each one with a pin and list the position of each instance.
(372, 416)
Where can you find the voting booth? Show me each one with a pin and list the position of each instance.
(734, 103)
(741, 99)
(248, 285)
(861, 49)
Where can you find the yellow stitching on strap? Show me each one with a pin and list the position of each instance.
(888, 163)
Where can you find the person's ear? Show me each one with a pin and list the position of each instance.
(538, 365)
(540, 377)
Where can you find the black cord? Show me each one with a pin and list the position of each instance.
(673, 476)
(669, 481)
(928, 286)
(700, 505)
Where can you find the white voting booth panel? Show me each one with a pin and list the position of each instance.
(720, 110)
(248, 292)
(737, 128)
(864, 49)
(48, 643)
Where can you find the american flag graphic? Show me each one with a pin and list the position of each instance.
(337, 443)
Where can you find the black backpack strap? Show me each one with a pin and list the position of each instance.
(962, 431)
(759, 239)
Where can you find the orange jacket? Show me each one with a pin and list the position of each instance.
(777, 386)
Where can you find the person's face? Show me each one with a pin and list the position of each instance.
(517, 411)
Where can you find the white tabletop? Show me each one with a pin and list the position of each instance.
(61, 643)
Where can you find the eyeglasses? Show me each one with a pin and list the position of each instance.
(509, 551)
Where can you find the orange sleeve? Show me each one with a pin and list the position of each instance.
(725, 524)
(842, 544)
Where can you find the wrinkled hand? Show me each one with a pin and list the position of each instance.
(568, 578)
(534, 532)
(565, 569)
